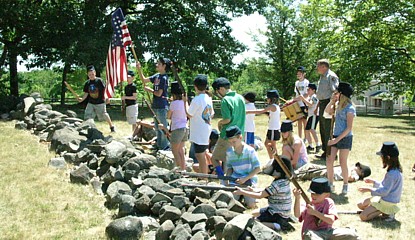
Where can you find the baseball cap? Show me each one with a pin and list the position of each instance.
(220, 82)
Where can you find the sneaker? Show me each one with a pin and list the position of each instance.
(332, 188)
(310, 149)
(390, 218)
(112, 128)
(318, 148)
(345, 189)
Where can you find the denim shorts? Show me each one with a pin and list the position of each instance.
(345, 143)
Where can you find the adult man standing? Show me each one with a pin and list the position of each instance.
(327, 84)
(130, 98)
(233, 114)
(94, 90)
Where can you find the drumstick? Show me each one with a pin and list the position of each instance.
(283, 99)
(71, 90)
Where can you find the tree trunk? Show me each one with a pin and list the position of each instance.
(14, 84)
(66, 69)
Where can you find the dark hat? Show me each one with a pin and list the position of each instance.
(273, 94)
(233, 131)
(364, 169)
(389, 149)
(200, 80)
(90, 68)
(130, 73)
(312, 86)
(345, 89)
(275, 169)
(250, 96)
(301, 69)
(220, 82)
(175, 88)
(319, 185)
(286, 126)
(214, 134)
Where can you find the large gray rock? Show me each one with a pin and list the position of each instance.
(20, 125)
(169, 213)
(125, 228)
(227, 214)
(71, 114)
(58, 163)
(181, 232)
(223, 196)
(181, 202)
(159, 197)
(143, 205)
(207, 209)
(198, 192)
(144, 190)
(81, 174)
(199, 227)
(114, 192)
(145, 161)
(165, 230)
(149, 223)
(126, 206)
(66, 139)
(193, 219)
(215, 225)
(261, 232)
(165, 159)
(114, 151)
(234, 228)
(200, 236)
(29, 105)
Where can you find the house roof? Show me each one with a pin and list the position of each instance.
(377, 93)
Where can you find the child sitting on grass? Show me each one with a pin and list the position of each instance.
(389, 190)
(276, 214)
(319, 216)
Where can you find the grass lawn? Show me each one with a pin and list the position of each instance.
(38, 202)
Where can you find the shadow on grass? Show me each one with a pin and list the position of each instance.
(339, 199)
(381, 223)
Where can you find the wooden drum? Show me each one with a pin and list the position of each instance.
(293, 111)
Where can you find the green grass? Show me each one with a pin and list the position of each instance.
(38, 202)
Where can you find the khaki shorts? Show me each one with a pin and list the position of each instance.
(99, 110)
(131, 112)
(219, 153)
(179, 135)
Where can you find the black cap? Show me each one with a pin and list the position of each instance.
(233, 131)
(175, 88)
(220, 82)
(90, 68)
(389, 149)
(250, 96)
(286, 126)
(345, 89)
(273, 94)
(214, 134)
(312, 86)
(275, 169)
(130, 73)
(364, 169)
(319, 185)
(301, 69)
(200, 80)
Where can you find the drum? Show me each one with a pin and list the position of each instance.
(293, 111)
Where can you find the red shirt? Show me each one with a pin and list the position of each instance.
(310, 222)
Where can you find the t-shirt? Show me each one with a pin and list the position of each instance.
(301, 87)
(178, 117)
(160, 81)
(95, 89)
(242, 164)
(327, 84)
(341, 120)
(250, 118)
(310, 223)
(201, 110)
(314, 105)
(129, 90)
(233, 108)
(279, 199)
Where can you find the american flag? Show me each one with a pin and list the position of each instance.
(117, 59)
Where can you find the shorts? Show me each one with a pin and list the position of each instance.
(345, 143)
(99, 110)
(304, 109)
(219, 153)
(266, 216)
(249, 138)
(200, 148)
(179, 135)
(312, 123)
(131, 112)
(273, 135)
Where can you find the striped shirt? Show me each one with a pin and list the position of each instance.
(242, 164)
(279, 199)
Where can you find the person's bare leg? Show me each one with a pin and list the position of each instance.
(203, 168)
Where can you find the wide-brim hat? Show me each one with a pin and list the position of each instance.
(319, 185)
(389, 149)
(345, 89)
(233, 131)
(286, 126)
(273, 94)
(366, 171)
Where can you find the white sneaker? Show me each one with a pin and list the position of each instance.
(390, 218)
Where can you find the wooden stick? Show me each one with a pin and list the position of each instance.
(71, 90)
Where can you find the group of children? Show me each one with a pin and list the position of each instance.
(241, 160)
